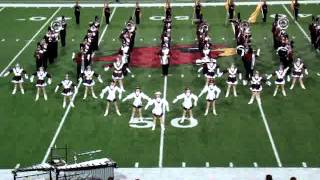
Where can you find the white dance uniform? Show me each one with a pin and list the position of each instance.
(280, 77)
(297, 70)
(159, 105)
(18, 73)
(67, 87)
(187, 100)
(256, 84)
(117, 71)
(41, 76)
(212, 91)
(138, 97)
(112, 90)
(88, 78)
(211, 70)
(232, 76)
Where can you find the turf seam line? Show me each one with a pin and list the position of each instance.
(147, 4)
(29, 42)
(297, 23)
(274, 148)
(73, 98)
(165, 84)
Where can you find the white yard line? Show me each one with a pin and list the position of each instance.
(148, 4)
(2, 9)
(29, 42)
(53, 141)
(297, 23)
(274, 148)
(165, 85)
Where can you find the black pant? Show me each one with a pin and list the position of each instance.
(137, 19)
(249, 70)
(231, 14)
(78, 70)
(107, 18)
(264, 19)
(165, 69)
(63, 38)
(77, 18)
(296, 14)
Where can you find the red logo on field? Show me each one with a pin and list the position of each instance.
(147, 57)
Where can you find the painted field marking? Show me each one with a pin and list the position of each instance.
(3, 40)
(64, 117)
(207, 164)
(297, 23)
(2, 9)
(29, 42)
(136, 164)
(231, 164)
(274, 148)
(182, 75)
(149, 75)
(183, 164)
(165, 85)
(255, 164)
(304, 164)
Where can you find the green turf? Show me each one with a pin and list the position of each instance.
(236, 135)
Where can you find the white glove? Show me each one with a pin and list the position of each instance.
(31, 79)
(26, 76)
(269, 76)
(106, 68)
(6, 74)
(56, 90)
(240, 76)
(268, 83)
(306, 72)
(49, 81)
(100, 79)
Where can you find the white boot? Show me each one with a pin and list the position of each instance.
(85, 96)
(64, 104)
(284, 93)
(153, 127)
(275, 92)
(118, 112)
(45, 96)
(235, 93)
(106, 113)
(251, 100)
(37, 97)
(182, 119)
(14, 91)
(71, 104)
(227, 94)
(94, 96)
(22, 91)
(206, 113)
(214, 112)
(162, 127)
(288, 78)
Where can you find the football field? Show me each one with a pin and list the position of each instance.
(282, 132)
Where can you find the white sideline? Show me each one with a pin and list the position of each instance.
(274, 148)
(147, 4)
(73, 98)
(29, 42)
(2, 9)
(297, 23)
(165, 85)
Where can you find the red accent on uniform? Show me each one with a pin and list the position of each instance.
(148, 57)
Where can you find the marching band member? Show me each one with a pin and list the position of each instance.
(164, 60)
(88, 82)
(17, 79)
(112, 89)
(107, 12)
(77, 8)
(159, 106)
(298, 68)
(187, 104)
(232, 79)
(137, 13)
(264, 10)
(138, 96)
(117, 75)
(68, 89)
(213, 93)
(63, 31)
(280, 81)
(41, 83)
(256, 87)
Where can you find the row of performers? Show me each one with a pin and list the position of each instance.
(314, 29)
(166, 42)
(47, 48)
(212, 72)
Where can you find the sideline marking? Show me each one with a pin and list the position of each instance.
(297, 23)
(73, 98)
(275, 151)
(29, 42)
